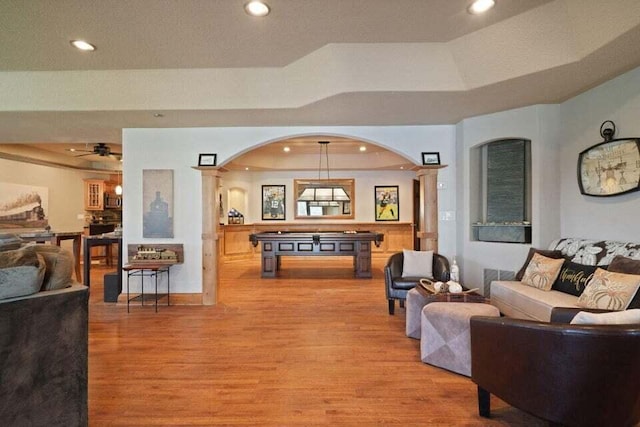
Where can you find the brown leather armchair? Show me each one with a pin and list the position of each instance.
(582, 375)
(397, 286)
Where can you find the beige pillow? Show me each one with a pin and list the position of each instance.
(417, 264)
(610, 291)
(626, 317)
(59, 263)
(542, 272)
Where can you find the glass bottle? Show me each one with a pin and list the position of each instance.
(455, 271)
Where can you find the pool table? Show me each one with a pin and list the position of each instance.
(325, 243)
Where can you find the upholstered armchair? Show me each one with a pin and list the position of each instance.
(582, 375)
(397, 286)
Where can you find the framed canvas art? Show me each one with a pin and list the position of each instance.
(273, 202)
(387, 203)
(157, 199)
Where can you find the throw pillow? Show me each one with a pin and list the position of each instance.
(609, 291)
(542, 272)
(59, 267)
(21, 272)
(622, 264)
(625, 317)
(574, 277)
(544, 252)
(417, 264)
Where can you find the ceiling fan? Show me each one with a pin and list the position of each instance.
(101, 149)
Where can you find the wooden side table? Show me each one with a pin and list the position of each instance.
(151, 270)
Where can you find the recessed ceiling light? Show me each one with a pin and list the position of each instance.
(72, 149)
(286, 149)
(481, 6)
(363, 148)
(256, 8)
(158, 115)
(246, 168)
(83, 45)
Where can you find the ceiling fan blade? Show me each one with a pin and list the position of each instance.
(75, 150)
(89, 153)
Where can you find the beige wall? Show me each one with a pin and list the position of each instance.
(66, 191)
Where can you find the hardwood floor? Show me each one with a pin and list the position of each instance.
(313, 347)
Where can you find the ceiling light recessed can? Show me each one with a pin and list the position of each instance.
(82, 45)
(363, 148)
(286, 149)
(481, 6)
(257, 8)
(158, 115)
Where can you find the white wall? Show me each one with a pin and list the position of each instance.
(558, 133)
(526, 123)
(178, 149)
(613, 218)
(365, 181)
(66, 191)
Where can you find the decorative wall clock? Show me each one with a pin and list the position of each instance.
(611, 167)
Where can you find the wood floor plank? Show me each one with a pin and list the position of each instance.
(313, 347)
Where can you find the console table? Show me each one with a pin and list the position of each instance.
(331, 243)
(151, 270)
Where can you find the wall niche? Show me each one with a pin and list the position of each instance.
(501, 185)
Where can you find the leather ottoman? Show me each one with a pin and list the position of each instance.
(444, 340)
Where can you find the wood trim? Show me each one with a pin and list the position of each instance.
(176, 299)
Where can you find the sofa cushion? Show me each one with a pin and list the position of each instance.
(417, 263)
(594, 252)
(573, 278)
(21, 272)
(609, 290)
(532, 251)
(542, 272)
(520, 301)
(626, 317)
(622, 264)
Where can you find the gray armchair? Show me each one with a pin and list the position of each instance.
(397, 286)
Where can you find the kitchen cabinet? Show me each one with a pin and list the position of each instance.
(94, 194)
(100, 194)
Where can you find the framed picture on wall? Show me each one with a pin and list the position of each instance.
(430, 159)
(273, 202)
(207, 159)
(387, 203)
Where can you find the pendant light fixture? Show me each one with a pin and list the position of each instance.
(324, 193)
(118, 188)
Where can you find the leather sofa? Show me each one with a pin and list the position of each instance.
(44, 349)
(574, 375)
(396, 286)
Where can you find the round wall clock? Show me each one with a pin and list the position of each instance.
(610, 168)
